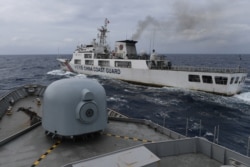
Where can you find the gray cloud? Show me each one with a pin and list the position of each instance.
(178, 26)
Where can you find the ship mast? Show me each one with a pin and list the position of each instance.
(103, 30)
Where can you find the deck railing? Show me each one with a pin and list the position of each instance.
(165, 65)
(199, 145)
(17, 94)
(208, 69)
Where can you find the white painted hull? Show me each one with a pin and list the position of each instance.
(168, 78)
(124, 63)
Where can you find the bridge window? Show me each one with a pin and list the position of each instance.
(236, 80)
(77, 61)
(243, 79)
(194, 78)
(232, 80)
(89, 62)
(88, 56)
(207, 79)
(103, 63)
(221, 80)
(124, 64)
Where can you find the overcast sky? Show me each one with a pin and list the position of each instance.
(170, 26)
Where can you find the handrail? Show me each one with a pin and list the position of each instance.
(196, 68)
(208, 69)
(16, 135)
(17, 94)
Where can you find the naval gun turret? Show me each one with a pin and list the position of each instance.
(74, 107)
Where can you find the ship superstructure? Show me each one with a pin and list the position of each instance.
(125, 64)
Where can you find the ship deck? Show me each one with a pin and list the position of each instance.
(35, 147)
(125, 141)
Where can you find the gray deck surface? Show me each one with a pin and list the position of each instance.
(25, 150)
(36, 149)
(17, 121)
(189, 160)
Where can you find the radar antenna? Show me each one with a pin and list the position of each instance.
(103, 30)
(240, 61)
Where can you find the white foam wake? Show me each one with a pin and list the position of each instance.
(80, 76)
(69, 74)
(244, 96)
(57, 72)
(247, 79)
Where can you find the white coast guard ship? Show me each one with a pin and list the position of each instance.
(125, 64)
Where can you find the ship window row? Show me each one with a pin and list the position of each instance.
(236, 80)
(123, 64)
(88, 56)
(77, 61)
(220, 80)
(89, 62)
(194, 78)
(104, 63)
(207, 79)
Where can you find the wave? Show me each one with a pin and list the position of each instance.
(244, 96)
(67, 74)
(204, 97)
(80, 76)
(58, 72)
(117, 99)
(247, 79)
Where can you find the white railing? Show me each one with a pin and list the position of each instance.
(208, 69)
(195, 68)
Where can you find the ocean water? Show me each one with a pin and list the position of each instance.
(172, 107)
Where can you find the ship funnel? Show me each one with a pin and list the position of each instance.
(74, 107)
(125, 49)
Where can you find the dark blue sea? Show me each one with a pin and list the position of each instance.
(175, 106)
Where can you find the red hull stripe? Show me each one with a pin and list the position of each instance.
(69, 67)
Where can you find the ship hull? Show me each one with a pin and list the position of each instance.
(169, 78)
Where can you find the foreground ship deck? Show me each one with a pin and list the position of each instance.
(125, 142)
